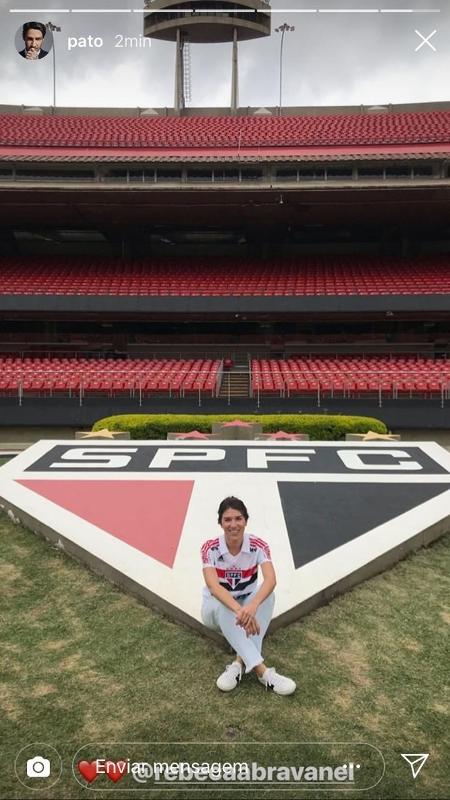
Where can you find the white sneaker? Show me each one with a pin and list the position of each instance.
(278, 683)
(230, 678)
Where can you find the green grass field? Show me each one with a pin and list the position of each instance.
(82, 662)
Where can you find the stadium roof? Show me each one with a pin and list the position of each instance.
(338, 136)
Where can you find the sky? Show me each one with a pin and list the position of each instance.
(329, 59)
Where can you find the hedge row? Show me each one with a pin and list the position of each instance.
(318, 426)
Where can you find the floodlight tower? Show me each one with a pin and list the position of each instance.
(205, 21)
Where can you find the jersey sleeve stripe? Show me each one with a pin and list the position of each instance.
(206, 548)
(262, 545)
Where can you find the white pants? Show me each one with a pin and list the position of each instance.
(218, 617)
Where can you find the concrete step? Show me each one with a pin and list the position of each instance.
(234, 384)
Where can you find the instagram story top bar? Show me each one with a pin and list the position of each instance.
(220, 11)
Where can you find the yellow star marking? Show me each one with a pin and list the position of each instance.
(103, 434)
(371, 436)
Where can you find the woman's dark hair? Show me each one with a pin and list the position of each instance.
(236, 504)
(35, 26)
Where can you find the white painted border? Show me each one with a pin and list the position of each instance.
(181, 586)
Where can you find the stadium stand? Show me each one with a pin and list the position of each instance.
(53, 375)
(310, 275)
(347, 376)
(244, 273)
(352, 376)
(327, 130)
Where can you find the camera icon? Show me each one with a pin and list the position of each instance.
(38, 767)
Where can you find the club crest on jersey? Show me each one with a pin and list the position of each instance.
(233, 577)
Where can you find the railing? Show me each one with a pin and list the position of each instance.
(219, 378)
(271, 173)
(362, 350)
(161, 15)
(237, 351)
(40, 351)
(348, 384)
(201, 385)
(137, 385)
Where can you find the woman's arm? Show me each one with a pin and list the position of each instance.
(246, 614)
(268, 584)
(217, 591)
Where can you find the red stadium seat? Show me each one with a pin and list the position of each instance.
(35, 375)
(326, 275)
(353, 376)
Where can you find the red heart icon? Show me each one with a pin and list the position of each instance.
(115, 770)
(88, 770)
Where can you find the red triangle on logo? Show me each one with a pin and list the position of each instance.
(148, 515)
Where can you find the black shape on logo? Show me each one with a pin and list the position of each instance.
(322, 516)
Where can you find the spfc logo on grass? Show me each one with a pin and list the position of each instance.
(333, 513)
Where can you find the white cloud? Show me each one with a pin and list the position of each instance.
(124, 85)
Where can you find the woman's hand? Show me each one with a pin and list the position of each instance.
(246, 618)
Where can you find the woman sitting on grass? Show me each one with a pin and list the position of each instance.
(232, 601)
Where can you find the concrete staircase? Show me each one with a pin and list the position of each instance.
(238, 380)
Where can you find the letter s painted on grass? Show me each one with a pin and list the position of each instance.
(95, 458)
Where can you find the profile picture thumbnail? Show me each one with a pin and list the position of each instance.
(38, 41)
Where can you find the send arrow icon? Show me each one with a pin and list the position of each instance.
(415, 761)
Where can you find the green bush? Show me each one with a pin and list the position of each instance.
(318, 426)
